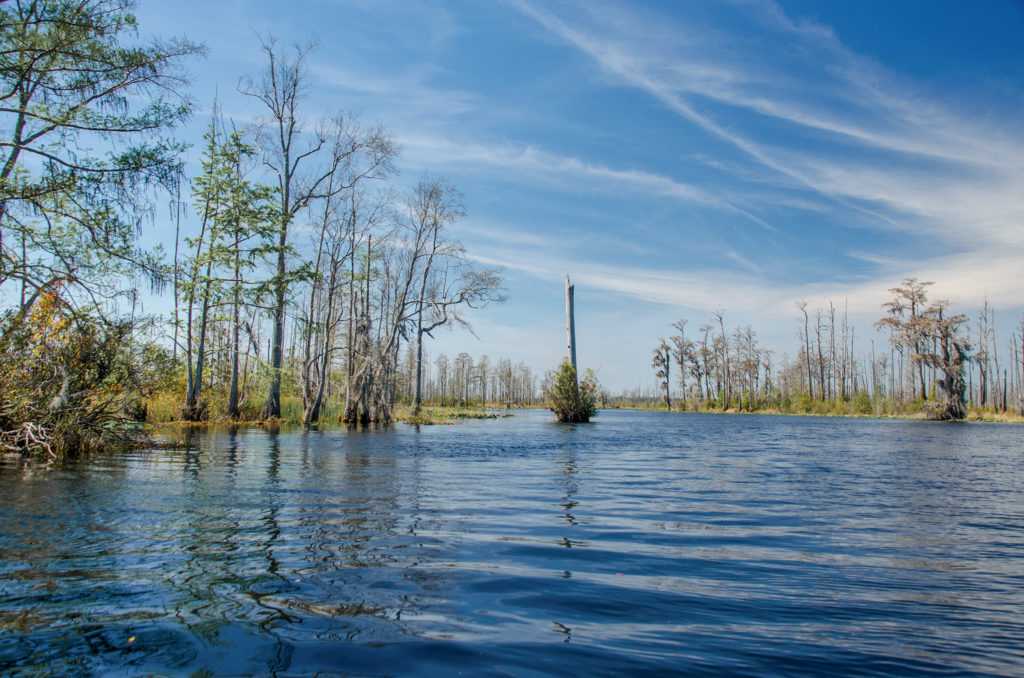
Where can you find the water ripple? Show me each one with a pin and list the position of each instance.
(641, 544)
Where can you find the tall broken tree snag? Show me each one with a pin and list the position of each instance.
(572, 400)
(570, 321)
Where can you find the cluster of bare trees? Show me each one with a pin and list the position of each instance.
(715, 365)
(928, 346)
(827, 356)
(992, 383)
(932, 356)
(934, 340)
(463, 381)
(306, 254)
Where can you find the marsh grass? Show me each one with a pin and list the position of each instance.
(165, 407)
(447, 415)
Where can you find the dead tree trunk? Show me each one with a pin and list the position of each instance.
(570, 322)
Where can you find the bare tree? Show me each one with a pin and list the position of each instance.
(683, 354)
(983, 356)
(719, 315)
(308, 165)
(904, 313)
(442, 377)
(506, 376)
(950, 358)
(802, 305)
(447, 279)
(662, 364)
(821, 358)
(707, 359)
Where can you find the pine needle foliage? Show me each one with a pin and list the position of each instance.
(572, 401)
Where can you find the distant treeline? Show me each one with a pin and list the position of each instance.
(934, 362)
(461, 381)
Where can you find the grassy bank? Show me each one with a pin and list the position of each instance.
(165, 409)
(881, 409)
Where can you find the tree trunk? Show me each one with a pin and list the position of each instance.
(313, 412)
(193, 408)
(414, 409)
(570, 321)
(821, 357)
(807, 351)
(272, 405)
(232, 408)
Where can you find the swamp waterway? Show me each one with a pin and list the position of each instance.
(642, 543)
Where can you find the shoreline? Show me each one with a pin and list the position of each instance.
(974, 416)
(450, 415)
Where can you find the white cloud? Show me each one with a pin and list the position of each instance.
(746, 291)
(537, 166)
(875, 145)
(410, 93)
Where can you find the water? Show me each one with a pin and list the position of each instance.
(640, 544)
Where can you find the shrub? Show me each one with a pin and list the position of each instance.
(69, 380)
(862, 403)
(570, 400)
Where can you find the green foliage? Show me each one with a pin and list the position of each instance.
(85, 121)
(570, 400)
(662, 364)
(69, 382)
(239, 220)
(862, 403)
(157, 368)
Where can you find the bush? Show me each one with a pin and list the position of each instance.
(69, 380)
(862, 403)
(570, 400)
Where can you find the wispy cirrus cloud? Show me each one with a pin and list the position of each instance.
(410, 92)
(797, 73)
(530, 161)
(536, 165)
(746, 292)
(866, 144)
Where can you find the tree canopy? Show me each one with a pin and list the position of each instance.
(87, 110)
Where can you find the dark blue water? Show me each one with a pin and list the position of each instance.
(640, 544)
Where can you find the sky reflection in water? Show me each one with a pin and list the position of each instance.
(640, 543)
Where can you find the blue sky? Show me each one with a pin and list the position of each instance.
(675, 157)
